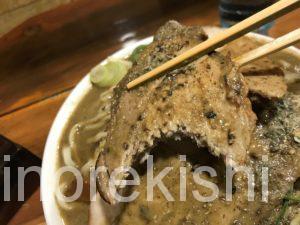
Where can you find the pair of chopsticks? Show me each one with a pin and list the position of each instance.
(270, 13)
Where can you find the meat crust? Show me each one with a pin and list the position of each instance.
(205, 100)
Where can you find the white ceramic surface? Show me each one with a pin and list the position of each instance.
(48, 179)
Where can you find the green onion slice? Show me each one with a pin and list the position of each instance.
(110, 73)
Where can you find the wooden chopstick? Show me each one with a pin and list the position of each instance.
(267, 49)
(270, 13)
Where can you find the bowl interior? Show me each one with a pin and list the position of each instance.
(288, 58)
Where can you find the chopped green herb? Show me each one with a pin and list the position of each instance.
(293, 199)
(284, 207)
(145, 213)
(135, 55)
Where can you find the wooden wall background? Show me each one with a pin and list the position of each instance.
(47, 46)
(15, 12)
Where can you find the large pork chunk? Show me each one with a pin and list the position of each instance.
(205, 100)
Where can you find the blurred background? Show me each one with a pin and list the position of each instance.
(47, 46)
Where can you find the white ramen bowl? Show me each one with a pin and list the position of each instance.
(50, 159)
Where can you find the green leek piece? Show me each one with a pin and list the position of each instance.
(111, 73)
(135, 55)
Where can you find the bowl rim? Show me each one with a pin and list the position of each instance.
(59, 124)
(48, 181)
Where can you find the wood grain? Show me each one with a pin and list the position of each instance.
(286, 24)
(31, 213)
(43, 58)
(12, 5)
(14, 12)
(38, 221)
(30, 126)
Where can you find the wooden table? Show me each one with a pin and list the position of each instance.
(44, 58)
